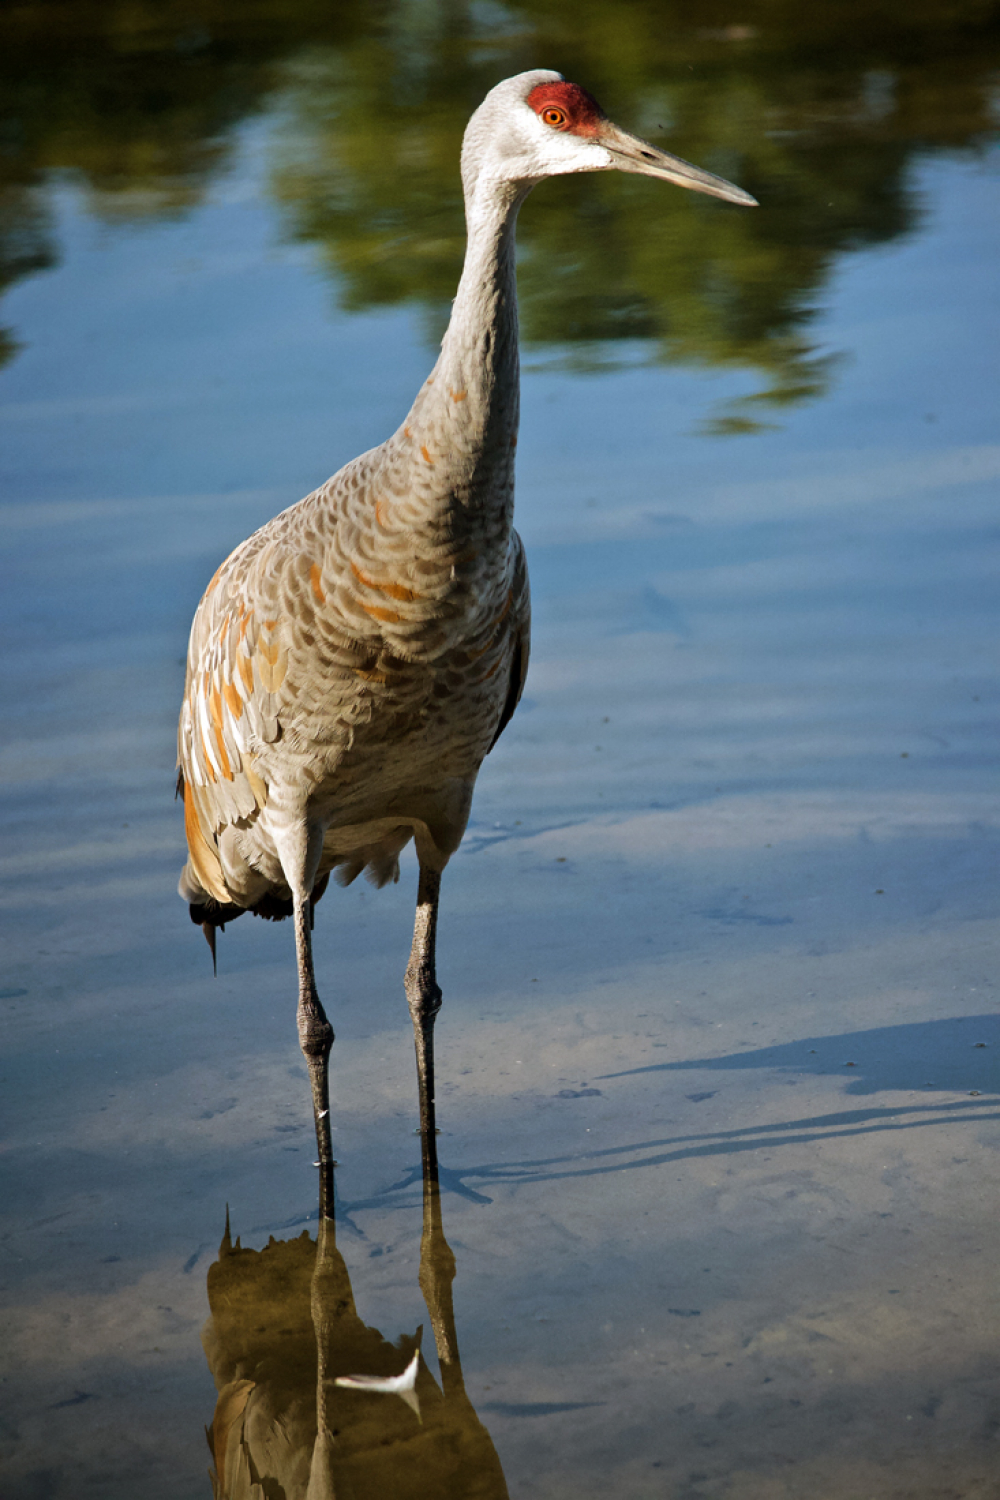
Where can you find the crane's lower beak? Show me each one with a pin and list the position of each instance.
(630, 154)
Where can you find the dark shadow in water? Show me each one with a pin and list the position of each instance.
(284, 1328)
(963, 1053)
(669, 1149)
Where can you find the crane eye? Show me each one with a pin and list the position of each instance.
(554, 117)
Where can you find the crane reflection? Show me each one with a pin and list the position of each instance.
(284, 1327)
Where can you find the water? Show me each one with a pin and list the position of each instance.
(740, 838)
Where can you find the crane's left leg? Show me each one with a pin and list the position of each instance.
(424, 998)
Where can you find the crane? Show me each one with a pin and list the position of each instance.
(353, 662)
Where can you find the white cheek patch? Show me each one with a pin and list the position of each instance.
(561, 151)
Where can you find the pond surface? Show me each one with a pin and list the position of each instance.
(741, 836)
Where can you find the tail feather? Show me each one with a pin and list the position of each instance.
(211, 915)
(209, 931)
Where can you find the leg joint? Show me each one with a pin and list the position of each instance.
(315, 1036)
(423, 993)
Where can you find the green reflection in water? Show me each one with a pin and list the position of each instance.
(283, 1327)
(817, 110)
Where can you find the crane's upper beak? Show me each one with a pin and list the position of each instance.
(630, 154)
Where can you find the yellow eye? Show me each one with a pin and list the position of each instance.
(554, 117)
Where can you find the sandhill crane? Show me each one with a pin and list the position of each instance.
(353, 662)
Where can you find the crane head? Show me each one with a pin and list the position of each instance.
(539, 125)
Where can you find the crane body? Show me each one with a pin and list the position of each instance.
(352, 663)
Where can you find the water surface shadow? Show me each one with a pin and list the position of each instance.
(637, 1155)
(962, 1053)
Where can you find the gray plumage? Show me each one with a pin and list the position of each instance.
(353, 662)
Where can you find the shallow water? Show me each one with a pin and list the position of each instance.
(741, 837)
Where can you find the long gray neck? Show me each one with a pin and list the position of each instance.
(479, 352)
(456, 448)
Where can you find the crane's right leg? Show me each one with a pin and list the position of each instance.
(299, 848)
(316, 1040)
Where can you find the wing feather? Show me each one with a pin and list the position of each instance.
(521, 630)
(232, 700)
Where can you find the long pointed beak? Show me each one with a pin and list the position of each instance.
(630, 154)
